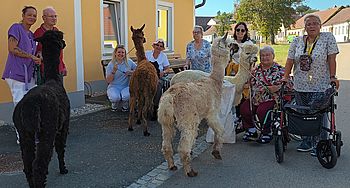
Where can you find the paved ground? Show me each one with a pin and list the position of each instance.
(101, 153)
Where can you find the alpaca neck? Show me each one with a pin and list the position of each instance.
(51, 67)
(218, 71)
(140, 51)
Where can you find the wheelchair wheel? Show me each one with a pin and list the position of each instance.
(279, 148)
(338, 142)
(326, 154)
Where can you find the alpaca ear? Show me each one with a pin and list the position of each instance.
(132, 29)
(225, 37)
(143, 26)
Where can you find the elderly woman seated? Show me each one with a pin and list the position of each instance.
(265, 84)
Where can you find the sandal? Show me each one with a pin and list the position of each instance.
(264, 139)
(249, 136)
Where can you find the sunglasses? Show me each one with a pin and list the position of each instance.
(240, 30)
(159, 45)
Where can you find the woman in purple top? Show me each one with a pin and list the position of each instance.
(19, 67)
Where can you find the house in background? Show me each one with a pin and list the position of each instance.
(297, 29)
(92, 29)
(339, 25)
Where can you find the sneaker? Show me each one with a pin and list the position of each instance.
(249, 136)
(124, 109)
(304, 146)
(114, 106)
(264, 139)
(313, 152)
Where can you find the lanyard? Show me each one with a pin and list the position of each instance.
(312, 46)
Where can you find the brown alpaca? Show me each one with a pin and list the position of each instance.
(143, 83)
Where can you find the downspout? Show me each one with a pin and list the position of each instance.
(200, 5)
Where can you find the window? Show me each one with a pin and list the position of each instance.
(165, 24)
(113, 26)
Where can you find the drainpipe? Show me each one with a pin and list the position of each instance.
(200, 5)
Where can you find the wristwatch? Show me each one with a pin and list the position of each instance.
(333, 77)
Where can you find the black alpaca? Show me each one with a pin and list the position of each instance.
(42, 116)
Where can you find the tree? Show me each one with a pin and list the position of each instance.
(224, 21)
(267, 16)
(301, 10)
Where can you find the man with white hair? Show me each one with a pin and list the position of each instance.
(50, 20)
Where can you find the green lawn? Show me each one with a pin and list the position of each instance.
(281, 52)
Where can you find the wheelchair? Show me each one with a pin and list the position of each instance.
(290, 118)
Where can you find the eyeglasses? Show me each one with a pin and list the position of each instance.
(240, 30)
(159, 45)
(196, 32)
(312, 24)
(52, 16)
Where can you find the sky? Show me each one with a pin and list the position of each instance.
(211, 7)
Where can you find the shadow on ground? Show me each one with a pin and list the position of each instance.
(100, 153)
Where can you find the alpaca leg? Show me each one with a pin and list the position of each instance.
(167, 147)
(144, 117)
(60, 144)
(214, 123)
(139, 112)
(43, 155)
(188, 136)
(27, 143)
(132, 103)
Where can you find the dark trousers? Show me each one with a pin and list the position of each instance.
(261, 111)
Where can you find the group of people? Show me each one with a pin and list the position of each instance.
(313, 57)
(24, 69)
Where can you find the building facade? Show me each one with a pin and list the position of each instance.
(92, 29)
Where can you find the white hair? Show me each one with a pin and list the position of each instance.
(312, 16)
(48, 8)
(268, 49)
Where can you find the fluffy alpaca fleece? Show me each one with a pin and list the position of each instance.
(42, 116)
(143, 83)
(248, 57)
(184, 106)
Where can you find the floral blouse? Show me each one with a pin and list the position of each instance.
(200, 59)
(317, 78)
(263, 78)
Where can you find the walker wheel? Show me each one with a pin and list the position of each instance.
(338, 142)
(326, 154)
(279, 148)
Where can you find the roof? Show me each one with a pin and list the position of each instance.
(325, 15)
(341, 17)
(203, 21)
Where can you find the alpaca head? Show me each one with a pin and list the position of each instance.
(224, 48)
(52, 42)
(137, 34)
(248, 56)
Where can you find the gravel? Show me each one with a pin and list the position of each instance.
(82, 110)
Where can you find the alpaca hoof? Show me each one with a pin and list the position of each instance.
(138, 122)
(130, 129)
(216, 154)
(192, 173)
(63, 171)
(173, 168)
(146, 133)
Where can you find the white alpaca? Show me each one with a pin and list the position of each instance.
(184, 106)
(248, 57)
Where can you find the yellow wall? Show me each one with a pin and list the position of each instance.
(12, 14)
(183, 25)
(138, 15)
(91, 39)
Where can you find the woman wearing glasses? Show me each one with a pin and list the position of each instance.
(198, 52)
(241, 37)
(118, 73)
(161, 62)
